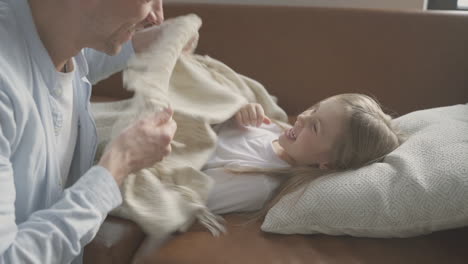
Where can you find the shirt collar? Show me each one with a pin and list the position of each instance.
(82, 64)
(37, 50)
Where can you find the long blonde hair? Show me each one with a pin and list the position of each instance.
(368, 137)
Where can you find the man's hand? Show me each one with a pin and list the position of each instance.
(252, 114)
(139, 146)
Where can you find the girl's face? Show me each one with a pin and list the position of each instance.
(310, 140)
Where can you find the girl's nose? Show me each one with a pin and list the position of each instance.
(300, 118)
(299, 121)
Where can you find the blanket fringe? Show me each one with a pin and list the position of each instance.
(214, 223)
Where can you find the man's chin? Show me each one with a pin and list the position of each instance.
(116, 50)
(111, 49)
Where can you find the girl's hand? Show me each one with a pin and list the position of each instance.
(251, 114)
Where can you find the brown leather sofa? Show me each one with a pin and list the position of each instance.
(408, 59)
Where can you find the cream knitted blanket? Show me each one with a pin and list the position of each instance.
(170, 195)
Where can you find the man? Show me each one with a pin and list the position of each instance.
(52, 200)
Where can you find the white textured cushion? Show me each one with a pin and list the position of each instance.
(420, 187)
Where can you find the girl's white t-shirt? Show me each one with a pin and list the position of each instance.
(245, 147)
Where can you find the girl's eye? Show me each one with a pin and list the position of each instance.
(312, 125)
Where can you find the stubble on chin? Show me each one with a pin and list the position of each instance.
(113, 50)
(112, 46)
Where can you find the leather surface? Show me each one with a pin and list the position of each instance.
(249, 245)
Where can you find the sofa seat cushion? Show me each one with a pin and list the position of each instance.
(248, 244)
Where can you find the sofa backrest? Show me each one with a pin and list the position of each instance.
(409, 60)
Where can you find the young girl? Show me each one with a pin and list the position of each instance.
(258, 161)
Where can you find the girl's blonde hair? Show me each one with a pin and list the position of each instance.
(369, 135)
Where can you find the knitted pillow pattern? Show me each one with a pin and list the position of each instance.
(419, 188)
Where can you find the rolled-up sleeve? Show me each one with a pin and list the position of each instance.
(102, 65)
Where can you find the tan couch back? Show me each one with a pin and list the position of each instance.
(408, 60)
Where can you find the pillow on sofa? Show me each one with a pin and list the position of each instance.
(420, 187)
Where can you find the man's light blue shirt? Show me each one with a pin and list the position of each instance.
(43, 220)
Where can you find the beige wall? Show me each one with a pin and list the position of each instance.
(393, 4)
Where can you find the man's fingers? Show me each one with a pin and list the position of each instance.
(163, 116)
(166, 150)
(168, 110)
(152, 18)
(159, 12)
(159, 17)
